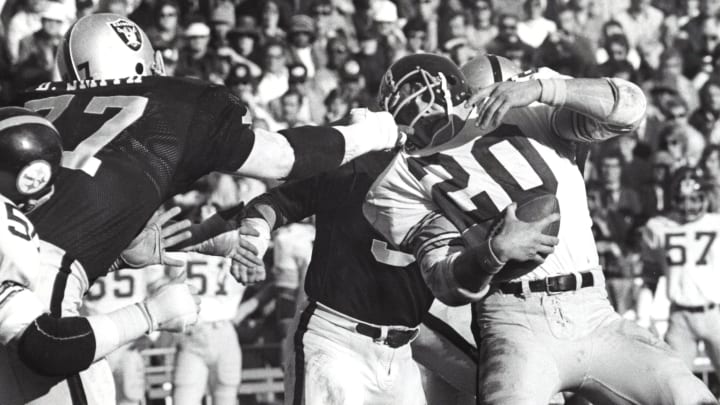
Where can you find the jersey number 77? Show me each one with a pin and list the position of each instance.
(82, 157)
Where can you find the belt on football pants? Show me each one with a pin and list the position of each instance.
(393, 337)
(698, 308)
(551, 285)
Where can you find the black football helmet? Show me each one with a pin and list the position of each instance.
(420, 91)
(30, 155)
(687, 194)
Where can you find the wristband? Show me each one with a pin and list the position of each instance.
(486, 259)
(553, 92)
(317, 150)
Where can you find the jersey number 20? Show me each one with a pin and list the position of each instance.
(83, 156)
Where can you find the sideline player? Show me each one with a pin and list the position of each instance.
(682, 245)
(132, 139)
(210, 356)
(365, 299)
(30, 153)
(543, 328)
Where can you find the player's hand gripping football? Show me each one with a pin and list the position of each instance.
(494, 101)
(520, 240)
(171, 308)
(149, 246)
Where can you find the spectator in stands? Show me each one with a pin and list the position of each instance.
(615, 212)
(373, 59)
(270, 30)
(653, 195)
(196, 59)
(353, 85)
(164, 33)
(617, 64)
(697, 53)
(301, 36)
(507, 43)
(291, 103)
(536, 27)
(610, 30)
(391, 40)
(641, 23)
(244, 39)
(705, 118)
(312, 103)
(453, 31)
(693, 31)
(274, 82)
(84, 7)
(482, 30)
(416, 35)
(330, 23)
(683, 143)
(428, 12)
(36, 57)
(222, 20)
(337, 106)
(327, 78)
(670, 75)
(710, 166)
(587, 21)
(460, 51)
(24, 23)
(564, 50)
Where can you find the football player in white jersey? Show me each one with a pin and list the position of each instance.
(116, 290)
(544, 325)
(682, 245)
(33, 344)
(210, 356)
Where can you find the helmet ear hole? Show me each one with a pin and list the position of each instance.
(452, 80)
(139, 68)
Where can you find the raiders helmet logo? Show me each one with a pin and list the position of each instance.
(34, 177)
(128, 32)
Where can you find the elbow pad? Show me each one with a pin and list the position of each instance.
(317, 150)
(57, 346)
(630, 104)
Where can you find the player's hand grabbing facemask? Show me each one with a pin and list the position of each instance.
(149, 246)
(171, 308)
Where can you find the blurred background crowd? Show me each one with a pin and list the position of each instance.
(298, 62)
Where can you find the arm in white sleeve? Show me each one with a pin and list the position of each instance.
(593, 110)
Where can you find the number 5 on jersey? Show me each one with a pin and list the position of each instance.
(83, 158)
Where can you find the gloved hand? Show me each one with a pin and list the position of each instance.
(171, 308)
(149, 246)
(380, 125)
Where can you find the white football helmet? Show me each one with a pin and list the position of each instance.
(484, 70)
(107, 46)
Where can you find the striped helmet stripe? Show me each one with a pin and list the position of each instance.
(24, 119)
(495, 67)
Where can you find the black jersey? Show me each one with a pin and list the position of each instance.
(129, 145)
(353, 269)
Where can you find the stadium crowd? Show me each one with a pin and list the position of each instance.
(299, 62)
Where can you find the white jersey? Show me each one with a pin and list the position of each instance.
(475, 176)
(691, 255)
(119, 289)
(219, 293)
(19, 269)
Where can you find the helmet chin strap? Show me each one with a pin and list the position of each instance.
(30, 205)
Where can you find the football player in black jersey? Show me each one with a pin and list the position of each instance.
(133, 138)
(366, 300)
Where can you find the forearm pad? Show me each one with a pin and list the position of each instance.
(57, 346)
(220, 222)
(264, 207)
(317, 150)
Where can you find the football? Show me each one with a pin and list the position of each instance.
(531, 210)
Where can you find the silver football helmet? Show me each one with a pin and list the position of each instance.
(107, 46)
(484, 70)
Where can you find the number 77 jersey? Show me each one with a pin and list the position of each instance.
(471, 179)
(129, 145)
